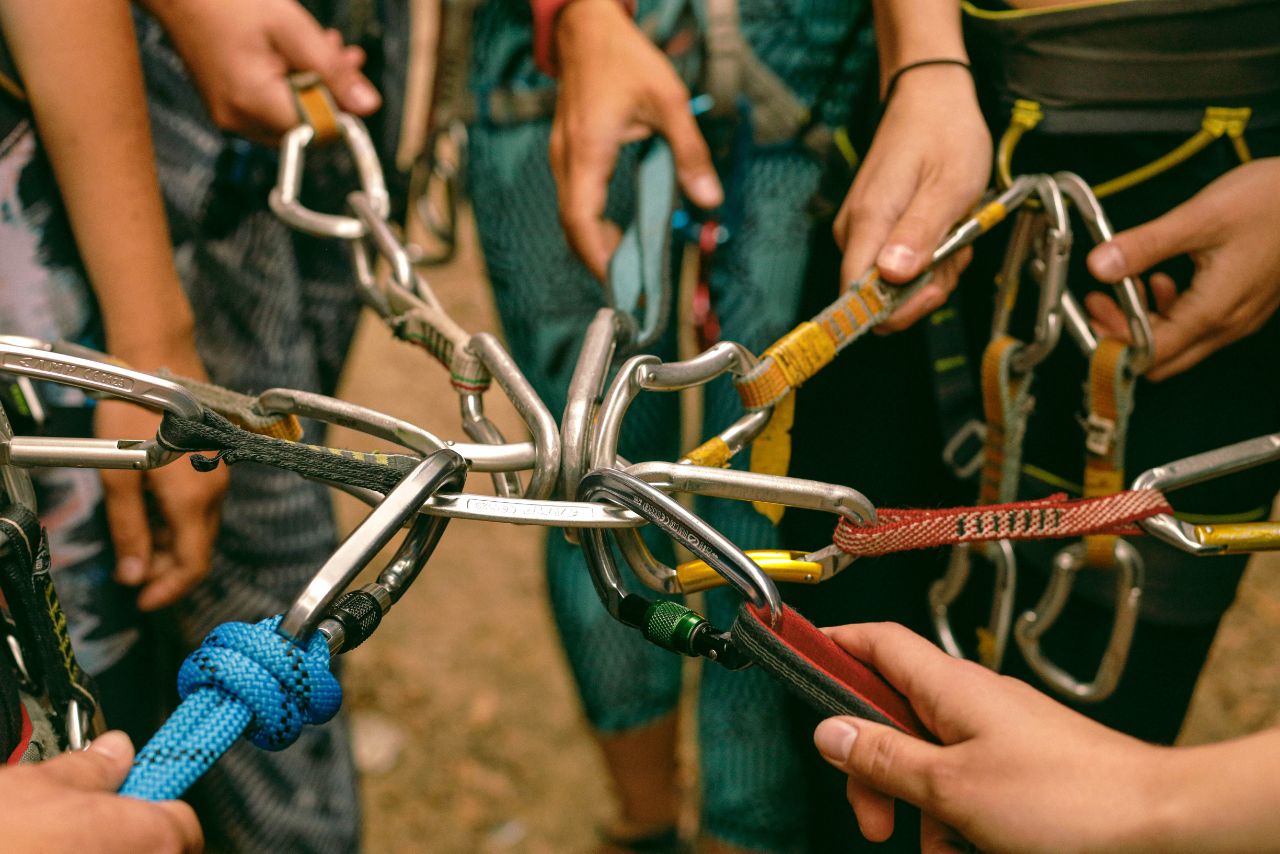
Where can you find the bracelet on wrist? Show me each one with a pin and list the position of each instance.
(897, 75)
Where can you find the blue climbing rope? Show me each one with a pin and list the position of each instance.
(244, 678)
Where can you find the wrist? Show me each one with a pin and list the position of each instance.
(929, 75)
(1167, 802)
(560, 25)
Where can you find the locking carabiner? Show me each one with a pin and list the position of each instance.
(349, 621)
(669, 624)
(1212, 539)
(44, 362)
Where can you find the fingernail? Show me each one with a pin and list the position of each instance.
(130, 570)
(1108, 262)
(897, 258)
(834, 739)
(364, 98)
(705, 191)
(114, 745)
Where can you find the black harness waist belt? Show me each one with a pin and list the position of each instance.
(1164, 57)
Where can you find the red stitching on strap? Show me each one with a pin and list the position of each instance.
(1047, 518)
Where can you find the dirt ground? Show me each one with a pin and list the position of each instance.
(465, 724)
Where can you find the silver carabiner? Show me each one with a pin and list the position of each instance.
(586, 387)
(442, 470)
(1218, 538)
(102, 377)
(511, 457)
(537, 418)
(1033, 624)
(1128, 291)
(943, 593)
(284, 197)
(669, 624)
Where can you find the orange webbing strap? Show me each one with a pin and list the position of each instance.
(810, 347)
(1005, 406)
(1110, 400)
(316, 106)
(771, 452)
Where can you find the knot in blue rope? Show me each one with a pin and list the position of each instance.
(282, 685)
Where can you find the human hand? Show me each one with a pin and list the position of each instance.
(616, 87)
(929, 162)
(1016, 771)
(165, 562)
(1229, 229)
(69, 804)
(240, 53)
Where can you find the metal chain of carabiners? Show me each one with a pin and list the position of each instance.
(402, 297)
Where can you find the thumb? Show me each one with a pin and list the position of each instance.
(892, 762)
(305, 46)
(1134, 251)
(127, 519)
(102, 767)
(908, 250)
(693, 158)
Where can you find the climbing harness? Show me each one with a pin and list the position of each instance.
(1007, 369)
(1218, 538)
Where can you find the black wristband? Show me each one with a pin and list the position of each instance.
(893, 78)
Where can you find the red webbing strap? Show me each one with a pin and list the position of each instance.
(1043, 519)
(24, 741)
(818, 671)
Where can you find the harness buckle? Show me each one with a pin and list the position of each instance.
(1100, 433)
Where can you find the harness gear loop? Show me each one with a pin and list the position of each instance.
(1216, 123)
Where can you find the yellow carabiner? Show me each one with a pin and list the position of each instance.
(778, 564)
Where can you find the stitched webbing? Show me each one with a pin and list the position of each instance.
(1006, 403)
(243, 678)
(1110, 401)
(377, 471)
(812, 345)
(240, 409)
(1054, 517)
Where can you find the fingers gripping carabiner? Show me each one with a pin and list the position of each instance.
(1032, 625)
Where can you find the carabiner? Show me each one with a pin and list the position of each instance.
(585, 390)
(1049, 231)
(1033, 624)
(284, 197)
(1214, 539)
(994, 639)
(780, 565)
(1128, 291)
(312, 608)
(670, 624)
(511, 457)
(46, 363)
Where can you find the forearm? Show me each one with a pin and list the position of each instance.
(79, 62)
(911, 30)
(1221, 797)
